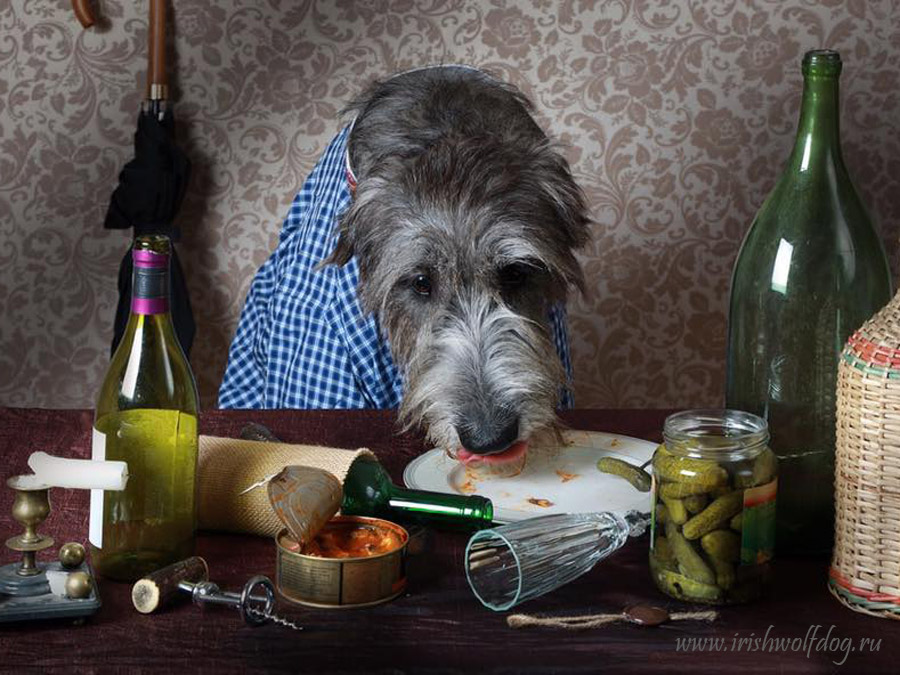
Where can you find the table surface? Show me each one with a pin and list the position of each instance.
(438, 625)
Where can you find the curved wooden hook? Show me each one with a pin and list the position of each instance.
(157, 78)
(83, 12)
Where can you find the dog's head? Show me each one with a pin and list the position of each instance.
(464, 223)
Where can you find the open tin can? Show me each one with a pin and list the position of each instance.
(361, 581)
(340, 561)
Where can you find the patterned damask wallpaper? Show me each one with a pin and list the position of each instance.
(677, 115)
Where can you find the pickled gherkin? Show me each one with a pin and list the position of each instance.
(635, 475)
(676, 510)
(722, 544)
(724, 573)
(715, 515)
(760, 471)
(663, 553)
(684, 588)
(681, 490)
(765, 468)
(696, 503)
(690, 563)
(701, 473)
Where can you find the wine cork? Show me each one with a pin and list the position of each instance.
(157, 589)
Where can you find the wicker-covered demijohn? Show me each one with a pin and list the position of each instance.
(865, 567)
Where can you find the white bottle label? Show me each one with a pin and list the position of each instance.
(95, 529)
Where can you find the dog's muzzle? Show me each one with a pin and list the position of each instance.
(488, 436)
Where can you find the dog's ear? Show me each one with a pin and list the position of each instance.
(559, 189)
(354, 225)
(343, 250)
(568, 200)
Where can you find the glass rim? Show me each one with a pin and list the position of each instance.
(481, 535)
(822, 63)
(156, 243)
(736, 430)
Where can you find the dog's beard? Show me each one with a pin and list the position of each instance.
(485, 357)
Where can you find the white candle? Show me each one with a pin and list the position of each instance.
(78, 473)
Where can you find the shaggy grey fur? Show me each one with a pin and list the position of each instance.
(464, 224)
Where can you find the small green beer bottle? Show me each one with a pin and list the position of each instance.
(368, 491)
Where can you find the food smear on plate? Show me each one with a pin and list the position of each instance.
(543, 503)
(468, 487)
(565, 476)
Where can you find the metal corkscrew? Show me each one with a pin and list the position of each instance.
(255, 610)
(255, 602)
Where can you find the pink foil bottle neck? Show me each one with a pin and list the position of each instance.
(150, 291)
(149, 305)
(145, 258)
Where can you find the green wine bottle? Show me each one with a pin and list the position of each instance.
(368, 491)
(146, 416)
(810, 271)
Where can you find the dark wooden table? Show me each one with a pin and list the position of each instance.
(438, 626)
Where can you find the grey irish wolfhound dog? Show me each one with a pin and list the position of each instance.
(464, 223)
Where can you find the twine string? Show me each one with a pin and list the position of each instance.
(595, 620)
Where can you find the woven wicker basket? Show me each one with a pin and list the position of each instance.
(865, 568)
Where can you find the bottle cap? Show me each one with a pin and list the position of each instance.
(822, 63)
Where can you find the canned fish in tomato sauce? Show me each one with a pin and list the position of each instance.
(352, 561)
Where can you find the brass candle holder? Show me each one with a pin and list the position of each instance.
(30, 508)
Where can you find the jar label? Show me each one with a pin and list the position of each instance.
(758, 535)
(95, 527)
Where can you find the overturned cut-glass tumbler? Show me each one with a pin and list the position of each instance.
(507, 565)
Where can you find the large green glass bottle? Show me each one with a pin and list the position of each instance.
(368, 491)
(810, 271)
(146, 416)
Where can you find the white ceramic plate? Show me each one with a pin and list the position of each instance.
(567, 477)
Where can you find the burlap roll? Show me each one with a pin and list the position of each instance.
(228, 466)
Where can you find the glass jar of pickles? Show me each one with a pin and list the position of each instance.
(713, 524)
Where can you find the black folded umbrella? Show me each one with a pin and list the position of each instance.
(152, 186)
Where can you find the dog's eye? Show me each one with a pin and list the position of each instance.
(513, 276)
(421, 284)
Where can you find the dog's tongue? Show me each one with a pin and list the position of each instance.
(513, 452)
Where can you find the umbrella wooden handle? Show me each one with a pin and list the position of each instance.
(83, 12)
(157, 80)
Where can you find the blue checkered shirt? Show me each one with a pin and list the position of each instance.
(303, 340)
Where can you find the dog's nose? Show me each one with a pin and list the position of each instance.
(489, 439)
